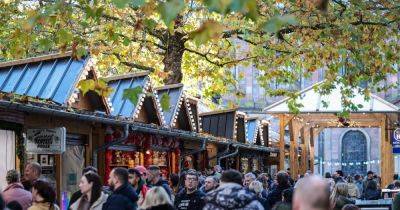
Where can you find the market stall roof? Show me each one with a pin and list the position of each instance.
(313, 102)
(179, 114)
(194, 107)
(53, 78)
(257, 131)
(146, 110)
(252, 129)
(224, 123)
(263, 134)
(15, 103)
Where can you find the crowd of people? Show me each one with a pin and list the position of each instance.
(146, 189)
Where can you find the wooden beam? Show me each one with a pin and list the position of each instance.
(303, 160)
(281, 165)
(312, 155)
(307, 145)
(387, 166)
(294, 159)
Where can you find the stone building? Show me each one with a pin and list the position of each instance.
(352, 150)
(331, 140)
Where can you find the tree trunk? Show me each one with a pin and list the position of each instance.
(173, 58)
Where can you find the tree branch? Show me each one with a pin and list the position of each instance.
(265, 46)
(205, 56)
(340, 3)
(142, 40)
(131, 64)
(156, 33)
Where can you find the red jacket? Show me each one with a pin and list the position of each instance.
(142, 194)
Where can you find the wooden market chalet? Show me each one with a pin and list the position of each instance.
(42, 93)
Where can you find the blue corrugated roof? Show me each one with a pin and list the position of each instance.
(51, 79)
(174, 93)
(120, 106)
(251, 130)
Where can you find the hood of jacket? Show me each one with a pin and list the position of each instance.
(230, 195)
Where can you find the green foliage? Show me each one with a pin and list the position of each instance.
(246, 7)
(351, 43)
(86, 85)
(132, 94)
(165, 101)
(150, 24)
(98, 86)
(294, 106)
(170, 9)
(102, 89)
(276, 23)
(209, 30)
(121, 3)
(138, 3)
(325, 104)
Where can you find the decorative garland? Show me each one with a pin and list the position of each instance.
(20, 149)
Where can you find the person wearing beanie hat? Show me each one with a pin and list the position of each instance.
(143, 172)
(15, 190)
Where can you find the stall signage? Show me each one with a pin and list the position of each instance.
(46, 141)
(396, 141)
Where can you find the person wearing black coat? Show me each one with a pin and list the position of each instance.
(275, 195)
(371, 192)
(192, 201)
(190, 197)
(124, 196)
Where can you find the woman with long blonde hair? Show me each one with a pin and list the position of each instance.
(157, 199)
(340, 196)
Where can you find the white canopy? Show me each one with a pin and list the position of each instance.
(312, 103)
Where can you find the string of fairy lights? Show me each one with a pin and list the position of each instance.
(355, 163)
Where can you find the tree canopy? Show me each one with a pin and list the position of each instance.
(199, 41)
